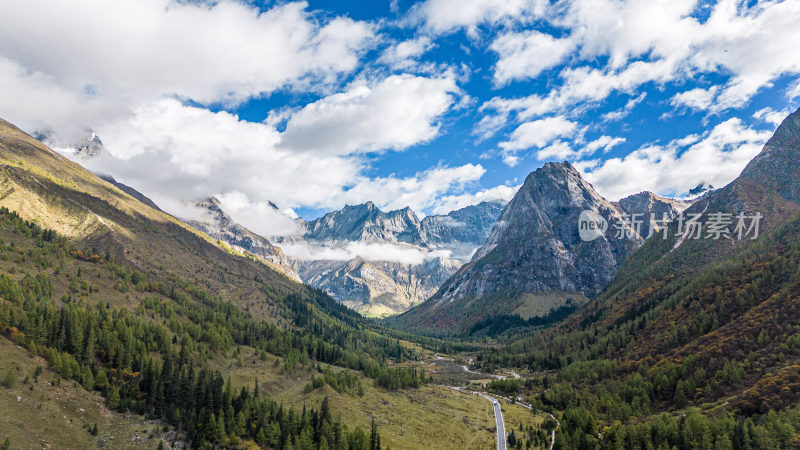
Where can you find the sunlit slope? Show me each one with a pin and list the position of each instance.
(58, 194)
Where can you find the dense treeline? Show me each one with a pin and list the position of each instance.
(496, 325)
(112, 352)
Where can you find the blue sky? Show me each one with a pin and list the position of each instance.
(435, 104)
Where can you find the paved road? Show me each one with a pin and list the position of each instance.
(498, 418)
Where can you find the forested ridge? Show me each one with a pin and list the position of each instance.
(150, 359)
(665, 358)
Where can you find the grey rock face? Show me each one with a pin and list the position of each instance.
(384, 287)
(462, 230)
(219, 225)
(90, 147)
(536, 259)
(367, 223)
(536, 248)
(378, 288)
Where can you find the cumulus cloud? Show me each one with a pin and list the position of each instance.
(716, 157)
(769, 115)
(422, 191)
(625, 110)
(368, 251)
(524, 55)
(697, 98)
(794, 90)
(537, 133)
(578, 85)
(35, 100)
(208, 52)
(445, 16)
(395, 113)
(403, 55)
(561, 150)
(263, 217)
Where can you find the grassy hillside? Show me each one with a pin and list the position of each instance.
(72, 411)
(44, 187)
(404, 417)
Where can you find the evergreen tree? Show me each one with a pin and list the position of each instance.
(10, 379)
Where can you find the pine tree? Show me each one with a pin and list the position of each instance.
(10, 379)
(101, 380)
(373, 437)
(113, 397)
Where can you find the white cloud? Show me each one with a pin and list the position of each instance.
(769, 115)
(395, 113)
(34, 100)
(563, 151)
(557, 150)
(524, 55)
(697, 98)
(673, 169)
(421, 192)
(404, 254)
(582, 84)
(794, 90)
(627, 29)
(605, 143)
(444, 16)
(265, 220)
(538, 133)
(404, 55)
(102, 58)
(755, 44)
(624, 111)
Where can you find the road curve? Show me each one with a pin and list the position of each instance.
(498, 416)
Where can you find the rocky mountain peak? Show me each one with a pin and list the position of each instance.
(90, 147)
(367, 223)
(218, 224)
(535, 259)
(646, 206)
(776, 166)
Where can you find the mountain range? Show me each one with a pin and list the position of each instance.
(384, 263)
(398, 260)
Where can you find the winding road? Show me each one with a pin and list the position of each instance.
(498, 411)
(498, 415)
